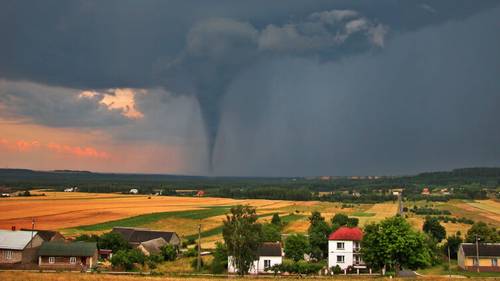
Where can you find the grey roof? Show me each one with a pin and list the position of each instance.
(154, 246)
(67, 249)
(270, 249)
(485, 250)
(15, 240)
(139, 235)
(46, 235)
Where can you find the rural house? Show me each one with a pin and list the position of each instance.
(489, 255)
(344, 246)
(18, 247)
(47, 235)
(270, 254)
(58, 255)
(136, 236)
(152, 247)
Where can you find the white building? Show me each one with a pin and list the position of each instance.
(344, 246)
(270, 254)
(134, 191)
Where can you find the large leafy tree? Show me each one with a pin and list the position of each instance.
(112, 241)
(434, 228)
(296, 245)
(318, 235)
(485, 233)
(393, 244)
(271, 233)
(242, 236)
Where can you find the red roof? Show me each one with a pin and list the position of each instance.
(347, 233)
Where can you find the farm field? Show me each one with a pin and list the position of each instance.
(90, 213)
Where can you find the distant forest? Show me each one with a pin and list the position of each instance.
(466, 183)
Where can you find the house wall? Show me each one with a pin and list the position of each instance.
(64, 262)
(175, 240)
(257, 266)
(333, 252)
(17, 256)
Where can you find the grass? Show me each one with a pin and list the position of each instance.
(455, 270)
(154, 217)
(363, 214)
(36, 276)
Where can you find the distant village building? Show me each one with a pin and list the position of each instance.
(57, 255)
(18, 247)
(5, 195)
(269, 254)
(426, 191)
(489, 255)
(71, 189)
(200, 193)
(135, 236)
(134, 191)
(344, 247)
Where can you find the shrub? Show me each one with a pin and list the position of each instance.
(219, 263)
(168, 252)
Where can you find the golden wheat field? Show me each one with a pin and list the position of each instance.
(33, 276)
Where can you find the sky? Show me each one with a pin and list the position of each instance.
(250, 88)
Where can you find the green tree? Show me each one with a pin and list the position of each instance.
(271, 233)
(112, 241)
(296, 245)
(434, 228)
(219, 262)
(318, 235)
(393, 244)
(340, 219)
(127, 258)
(453, 242)
(242, 235)
(353, 222)
(276, 220)
(168, 252)
(485, 233)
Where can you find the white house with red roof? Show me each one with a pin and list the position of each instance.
(344, 246)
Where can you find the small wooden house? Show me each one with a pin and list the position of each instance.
(57, 255)
(18, 247)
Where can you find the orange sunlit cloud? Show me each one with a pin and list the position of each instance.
(122, 99)
(27, 146)
(40, 147)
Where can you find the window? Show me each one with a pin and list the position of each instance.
(72, 260)
(340, 245)
(52, 260)
(267, 263)
(7, 254)
(340, 259)
(356, 245)
(494, 262)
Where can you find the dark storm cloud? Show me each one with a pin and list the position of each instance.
(199, 48)
(55, 106)
(428, 101)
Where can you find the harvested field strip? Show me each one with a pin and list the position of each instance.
(151, 218)
(218, 230)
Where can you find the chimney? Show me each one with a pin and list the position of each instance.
(13, 228)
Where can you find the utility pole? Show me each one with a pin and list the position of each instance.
(198, 264)
(32, 230)
(477, 251)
